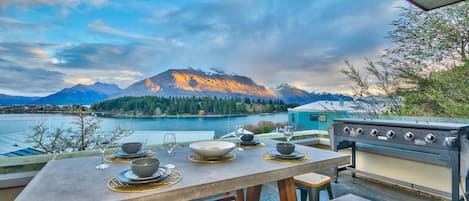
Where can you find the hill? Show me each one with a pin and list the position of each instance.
(290, 94)
(178, 83)
(191, 82)
(16, 100)
(80, 94)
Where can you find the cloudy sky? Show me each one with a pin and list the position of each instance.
(46, 45)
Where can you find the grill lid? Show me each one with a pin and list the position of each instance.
(409, 124)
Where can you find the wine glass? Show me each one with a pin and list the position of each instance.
(288, 132)
(144, 143)
(169, 142)
(239, 133)
(102, 142)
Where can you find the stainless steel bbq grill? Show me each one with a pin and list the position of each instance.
(438, 143)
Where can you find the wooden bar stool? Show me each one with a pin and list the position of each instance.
(312, 184)
(350, 197)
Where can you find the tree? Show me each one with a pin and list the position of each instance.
(426, 68)
(441, 93)
(83, 136)
(119, 133)
(428, 39)
(385, 82)
(61, 140)
(47, 140)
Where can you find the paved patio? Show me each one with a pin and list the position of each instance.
(361, 186)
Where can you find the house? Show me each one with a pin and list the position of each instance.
(320, 115)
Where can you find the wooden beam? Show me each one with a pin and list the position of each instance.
(286, 189)
(254, 193)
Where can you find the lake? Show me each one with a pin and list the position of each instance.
(15, 127)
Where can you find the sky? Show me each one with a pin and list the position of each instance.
(48, 45)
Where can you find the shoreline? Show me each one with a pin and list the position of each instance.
(176, 116)
(115, 115)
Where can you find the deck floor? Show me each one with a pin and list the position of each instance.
(360, 186)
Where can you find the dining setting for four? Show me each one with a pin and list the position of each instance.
(147, 175)
(145, 171)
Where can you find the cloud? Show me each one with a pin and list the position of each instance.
(24, 69)
(303, 42)
(13, 25)
(100, 27)
(29, 81)
(51, 67)
(67, 3)
(287, 40)
(121, 77)
(25, 54)
(107, 57)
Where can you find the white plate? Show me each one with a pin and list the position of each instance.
(163, 171)
(131, 175)
(122, 154)
(294, 155)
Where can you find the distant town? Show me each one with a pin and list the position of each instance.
(17, 109)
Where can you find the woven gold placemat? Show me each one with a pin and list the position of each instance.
(251, 146)
(266, 156)
(172, 179)
(114, 159)
(199, 159)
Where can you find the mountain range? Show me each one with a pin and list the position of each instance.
(176, 82)
(191, 82)
(16, 100)
(80, 94)
(291, 94)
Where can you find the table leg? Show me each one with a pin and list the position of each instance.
(254, 193)
(286, 189)
(240, 195)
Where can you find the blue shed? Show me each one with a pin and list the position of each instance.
(320, 115)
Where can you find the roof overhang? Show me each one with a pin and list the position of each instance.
(427, 5)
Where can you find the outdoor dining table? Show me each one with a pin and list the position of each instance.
(78, 179)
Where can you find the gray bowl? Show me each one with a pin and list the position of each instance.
(144, 167)
(131, 147)
(285, 148)
(247, 137)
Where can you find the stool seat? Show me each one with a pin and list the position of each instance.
(349, 197)
(312, 183)
(312, 179)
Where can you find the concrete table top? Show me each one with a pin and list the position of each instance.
(78, 179)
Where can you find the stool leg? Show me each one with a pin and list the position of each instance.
(313, 194)
(329, 191)
(304, 194)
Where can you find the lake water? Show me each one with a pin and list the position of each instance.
(15, 127)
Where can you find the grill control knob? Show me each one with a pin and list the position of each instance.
(359, 131)
(391, 134)
(430, 138)
(346, 129)
(374, 132)
(409, 136)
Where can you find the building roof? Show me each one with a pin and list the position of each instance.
(333, 106)
(23, 152)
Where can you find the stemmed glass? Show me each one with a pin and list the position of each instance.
(102, 142)
(169, 142)
(288, 132)
(239, 133)
(144, 143)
